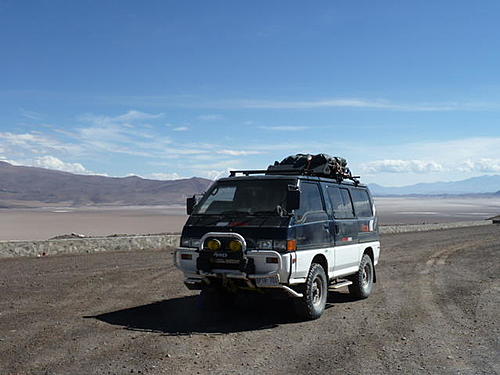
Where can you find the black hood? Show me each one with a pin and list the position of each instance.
(250, 227)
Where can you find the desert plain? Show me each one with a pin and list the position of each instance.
(41, 223)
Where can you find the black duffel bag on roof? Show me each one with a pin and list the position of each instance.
(322, 165)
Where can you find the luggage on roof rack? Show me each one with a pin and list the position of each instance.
(321, 165)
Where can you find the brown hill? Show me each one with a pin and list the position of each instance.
(29, 184)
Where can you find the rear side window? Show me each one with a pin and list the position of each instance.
(362, 205)
(341, 202)
(310, 202)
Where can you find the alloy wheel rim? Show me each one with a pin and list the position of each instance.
(366, 275)
(317, 291)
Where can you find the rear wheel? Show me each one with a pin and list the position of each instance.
(315, 291)
(362, 281)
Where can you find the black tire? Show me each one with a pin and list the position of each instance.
(362, 281)
(315, 292)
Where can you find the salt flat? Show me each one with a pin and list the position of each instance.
(418, 210)
(46, 222)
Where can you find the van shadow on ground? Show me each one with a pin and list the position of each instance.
(195, 314)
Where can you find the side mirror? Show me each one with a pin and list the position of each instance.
(190, 203)
(292, 200)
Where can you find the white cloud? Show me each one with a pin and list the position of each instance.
(51, 162)
(285, 128)
(401, 166)
(216, 165)
(215, 170)
(135, 115)
(450, 164)
(117, 134)
(473, 148)
(358, 103)
(210, 117)
(13, 162)
(165, 176)
(238, 152)
(180, 129)
(456, 158)
(32, 115)
(484, 165)
(34, 142)
(216, 174)
(344, 102)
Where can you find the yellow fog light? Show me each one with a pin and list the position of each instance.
(235, 245)
(213, 244)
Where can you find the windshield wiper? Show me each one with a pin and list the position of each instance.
(234, 212)
(267, 212)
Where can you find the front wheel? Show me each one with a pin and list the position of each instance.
(315, 291)
(362, 281)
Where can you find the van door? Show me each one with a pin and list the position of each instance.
(311, 226)
(345, 229)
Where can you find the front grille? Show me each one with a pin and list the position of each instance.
(207, 261)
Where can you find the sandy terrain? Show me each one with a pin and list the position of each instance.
(434, 310)
(44, 223)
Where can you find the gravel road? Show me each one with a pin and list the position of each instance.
(435, 310)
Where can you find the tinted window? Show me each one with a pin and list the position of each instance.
(362, 205)
(310, 203)
(219, 200)
(341, 202)
(250, 197)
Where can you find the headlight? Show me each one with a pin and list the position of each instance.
(213, 244)
(190, 242)
(265, 244)
(279, 245)
(270, 244)
(235, 245)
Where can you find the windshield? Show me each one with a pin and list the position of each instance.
(252, 197)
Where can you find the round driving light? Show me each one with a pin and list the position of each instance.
(235, 245)
(213, 244)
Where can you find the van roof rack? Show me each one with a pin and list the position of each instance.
(296, 172)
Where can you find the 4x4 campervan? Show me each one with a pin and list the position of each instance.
(285, 230)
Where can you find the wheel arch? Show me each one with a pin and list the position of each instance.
(369, 251)
(322, 261)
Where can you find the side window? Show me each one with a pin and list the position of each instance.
(311, 205)
(362, 205)
(347, 203)
(341, 202)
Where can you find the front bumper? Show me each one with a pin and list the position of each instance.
(186, 260)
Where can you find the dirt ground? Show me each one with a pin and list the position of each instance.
(434, 311)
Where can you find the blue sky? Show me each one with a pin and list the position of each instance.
(406, 91)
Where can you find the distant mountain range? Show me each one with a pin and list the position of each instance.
(29, 186)
(474, 185)
(23, 186)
